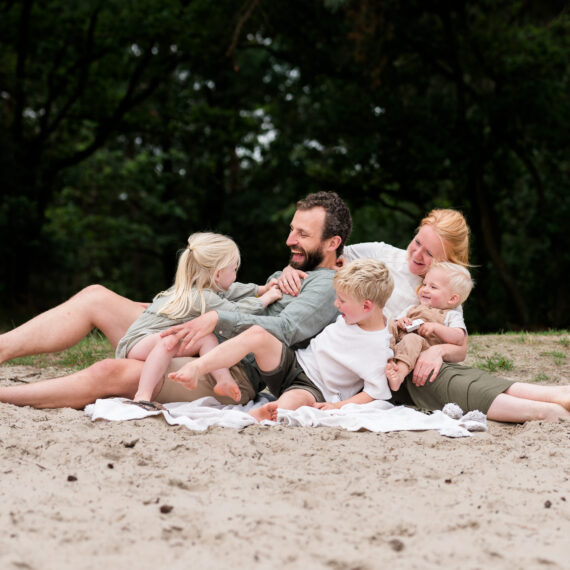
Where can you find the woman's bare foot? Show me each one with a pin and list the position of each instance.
(396, 372)
(187, 375)
(229, 389)
(266, 412)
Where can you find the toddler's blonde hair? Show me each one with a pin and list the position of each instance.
(205, 254)
(365, 279)
(458, 278)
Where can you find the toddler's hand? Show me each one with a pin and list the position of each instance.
(427, 329)
(403, 323)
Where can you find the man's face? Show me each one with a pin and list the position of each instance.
(304, 239)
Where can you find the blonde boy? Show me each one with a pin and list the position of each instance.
(343, 364)
(445, 287)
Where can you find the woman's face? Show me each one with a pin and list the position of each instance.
(423, 249)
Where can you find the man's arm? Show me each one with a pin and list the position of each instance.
(303, 318)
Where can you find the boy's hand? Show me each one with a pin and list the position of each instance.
(328, 405)
(403, 323)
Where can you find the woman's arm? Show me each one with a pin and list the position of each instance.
(429, 362)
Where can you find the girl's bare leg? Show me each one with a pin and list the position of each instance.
(65, 325)
(290, 400)
(110, 377)
(155, 351)
(265, 347)
(225, 383)
(508, 408)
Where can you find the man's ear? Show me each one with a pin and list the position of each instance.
(333, 243)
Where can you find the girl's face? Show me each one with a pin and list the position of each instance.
(225, 277)
(423, 249)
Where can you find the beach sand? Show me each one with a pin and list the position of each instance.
(82, 494)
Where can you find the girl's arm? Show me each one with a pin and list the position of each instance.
(360, 398)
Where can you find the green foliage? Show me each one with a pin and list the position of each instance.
(495, 362)
(557, 356)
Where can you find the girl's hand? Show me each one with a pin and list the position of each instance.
(290, 280)
(272, 295)
(262, 289)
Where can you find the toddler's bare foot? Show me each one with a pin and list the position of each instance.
(187, 375)
(229, 389)
(265, 412)
(396, 372)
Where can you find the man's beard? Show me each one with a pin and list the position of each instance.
(312, 259)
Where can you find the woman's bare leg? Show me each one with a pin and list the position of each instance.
(109, 377)
(65, 325)
(507, 408)
(554, 394)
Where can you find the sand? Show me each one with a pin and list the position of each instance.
(82, 494)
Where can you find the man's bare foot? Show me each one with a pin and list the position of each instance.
(229, 389)
(187, 375)
(396, 372)
(265, 412)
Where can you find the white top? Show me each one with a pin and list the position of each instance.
(345, 359)
(405, 282)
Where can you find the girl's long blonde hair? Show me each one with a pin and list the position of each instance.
(205, 254)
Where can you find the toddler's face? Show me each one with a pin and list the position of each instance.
(225, 277)
(435, 291)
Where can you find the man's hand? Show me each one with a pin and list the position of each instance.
(290, 280)
(427, 366)
(187, 334)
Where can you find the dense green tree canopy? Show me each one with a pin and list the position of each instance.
(127, 125)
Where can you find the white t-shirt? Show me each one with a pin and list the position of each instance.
(344, 359)
(405, 282)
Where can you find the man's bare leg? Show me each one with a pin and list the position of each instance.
(264, 346)
(65, 325)
(109, 377)
(290, 400)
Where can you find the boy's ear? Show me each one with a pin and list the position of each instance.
(367, 305)
(454, 300)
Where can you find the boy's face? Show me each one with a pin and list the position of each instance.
(435, 291)
(352, 311)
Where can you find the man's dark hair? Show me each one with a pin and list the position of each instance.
(338, 221)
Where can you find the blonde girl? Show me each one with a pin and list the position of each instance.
(205, 281)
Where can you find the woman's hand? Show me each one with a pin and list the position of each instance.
(192, 331)
(427, 366)
(290, 280)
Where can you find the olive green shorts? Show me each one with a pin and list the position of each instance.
(469, 388)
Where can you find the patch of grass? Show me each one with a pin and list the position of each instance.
(92, 348)
(556, 355)
(495, 362)
(541, 377)
(564, 341)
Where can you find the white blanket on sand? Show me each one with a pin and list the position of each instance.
(377, 416)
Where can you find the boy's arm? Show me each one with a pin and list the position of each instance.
(360, 398)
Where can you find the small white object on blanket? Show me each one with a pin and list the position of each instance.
(376, 416)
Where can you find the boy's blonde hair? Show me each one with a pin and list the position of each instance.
(459, 278)
(365, 279)
(205, 254)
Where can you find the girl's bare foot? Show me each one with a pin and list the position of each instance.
(229, 389)
(396, 372)
(187, 375)
(265, 412)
